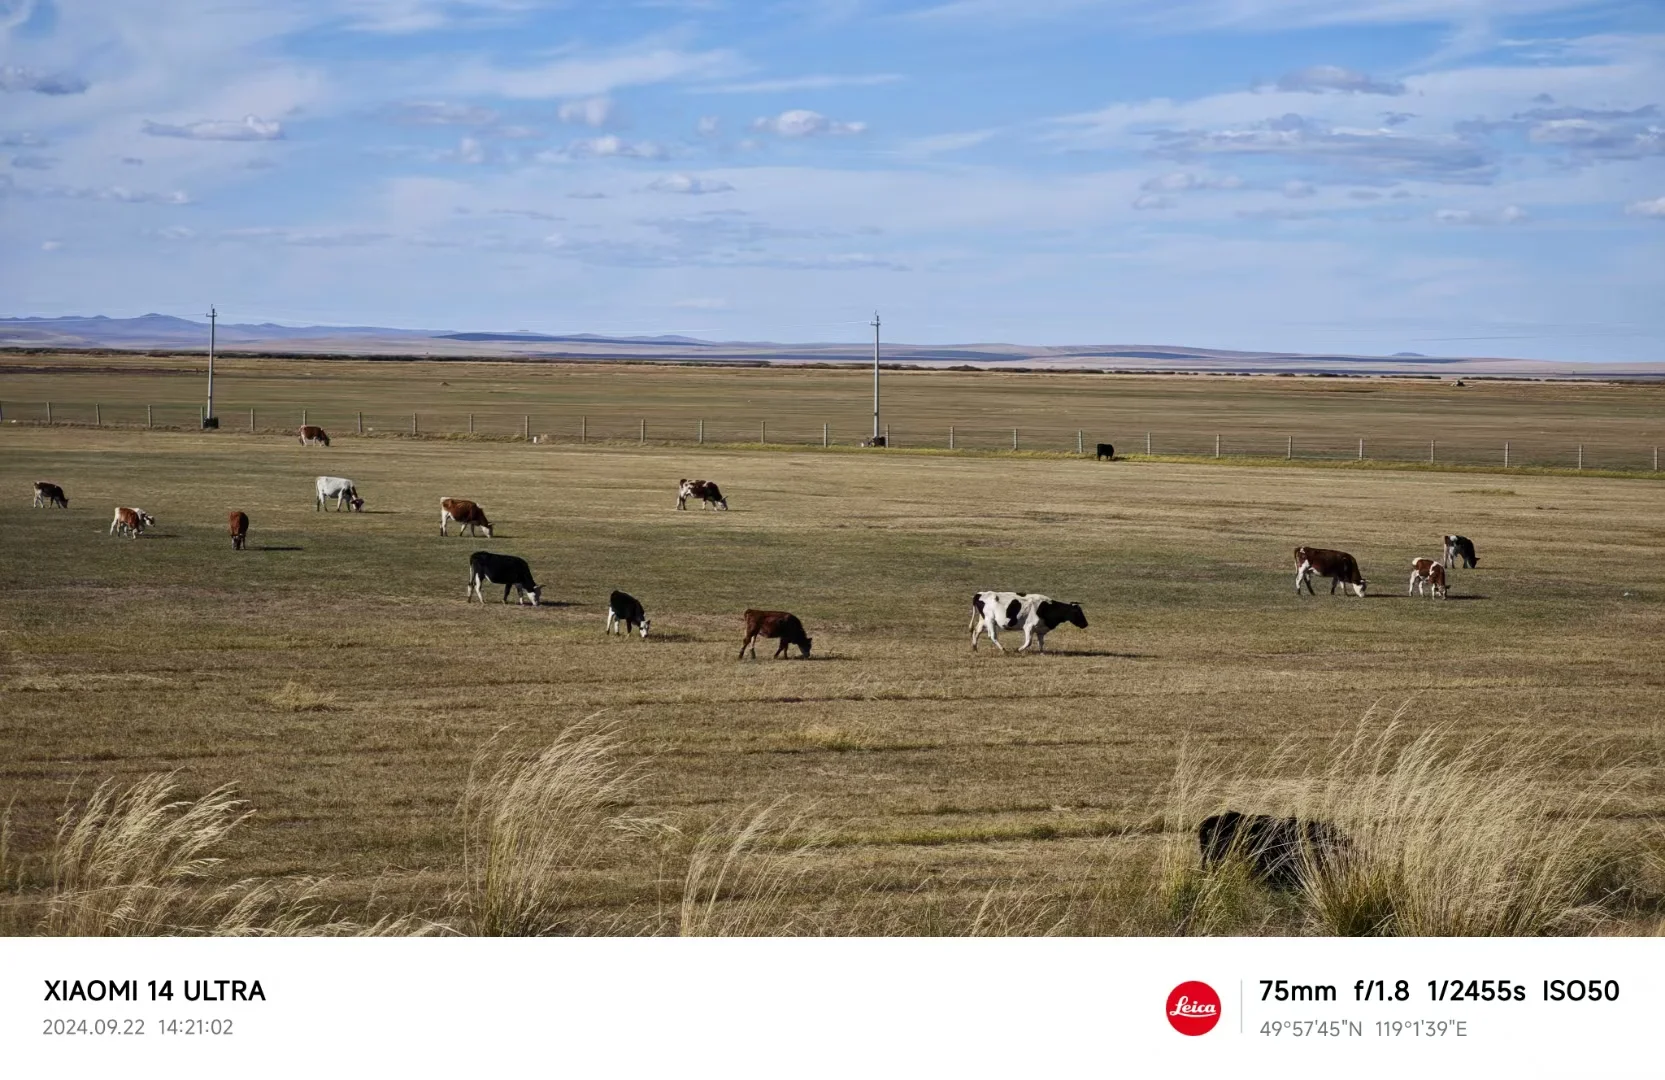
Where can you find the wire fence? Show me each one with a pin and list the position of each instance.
(620, 426)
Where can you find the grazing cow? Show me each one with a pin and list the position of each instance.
(312, 435)
(703, 490)
(1429, 572)
(50, 495)
(466, 514)
(238, 522)
(509, 571)
(1340, 567)
(131, 521)
(1460, 547)
(341, 490)
(1106, 450)
(1278, 851)
(774, 624)
(878, 441)
(1034, 614)
(625, 611)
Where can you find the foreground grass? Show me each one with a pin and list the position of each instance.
(334, 671)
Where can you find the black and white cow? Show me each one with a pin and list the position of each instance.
(509, 571)
(704, 490)
(1460, 547)
(1034, 614)
(625, 611)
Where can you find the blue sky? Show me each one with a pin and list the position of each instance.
(1482, 177)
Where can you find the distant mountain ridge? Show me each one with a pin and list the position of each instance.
(155, 331)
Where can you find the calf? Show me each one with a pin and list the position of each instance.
(1460, 547)
(341, 490)
(625, 611)
(1034, 614)
(1340, 567)
(467, 515)
(1279, 852)
(131, 520)
(1106, 450)
(313, 435)
(703, 490)
(509, 571)
(50, 495)
(238, 522)
(774, 624)
(1429, 572)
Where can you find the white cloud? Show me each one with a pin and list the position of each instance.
(1154, 202)
(1509, 215)
(708, 126)
(612, 146)
(249, 129)
(1327, 78)
(1654, 208)
(1187, 181)
(442, 113)
(1299, 189)
(33, 161)
(591, 111)
(592, 75)
(683, 184)
(23, 80)
(51, 245)
(109, 194)
(800, 123)
(799, 82)
(469, 151)
(947, 143)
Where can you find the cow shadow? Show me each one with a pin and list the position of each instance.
(1453, 596)
(1099, 652)
(276, 547)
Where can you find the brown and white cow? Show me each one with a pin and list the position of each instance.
(131, 521)
(466, 514)
(774, 624)
(313, 435)
(50, 495)
(703, 490)
(238, 523)
(1430, 573)
(1340, 567)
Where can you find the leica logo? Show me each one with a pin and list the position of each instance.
(1193, 1008)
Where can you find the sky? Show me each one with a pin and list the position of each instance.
(1450, 177)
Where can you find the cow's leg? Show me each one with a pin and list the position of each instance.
(611, 619)
(1333, 583)
(1412, 586)
(1303, 575)
(442, 523)
(743, 646)
(990, 628)
(781, 651)
(1040, 640)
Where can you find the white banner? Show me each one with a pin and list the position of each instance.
(830, 1007)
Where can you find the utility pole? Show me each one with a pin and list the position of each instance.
(875, 378)
(208, 417)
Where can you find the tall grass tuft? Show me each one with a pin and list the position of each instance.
(744, 872)
(1445, 838)
(540, 829)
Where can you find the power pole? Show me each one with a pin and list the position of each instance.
(213, 318)
(875, 377)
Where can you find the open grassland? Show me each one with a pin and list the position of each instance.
(335, 675)
(1617, 424)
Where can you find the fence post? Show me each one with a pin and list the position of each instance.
(763, 431)
(701, 436)
(1580, 457)
(361, 422)
(1078, 442)
(303, 418)
(1430, 451)
(641, 433)
(1014, 438)
(1505, 454)
(48, 412)
(471, 423)
(1361, 449)
(98, 419)
(583, 429)
(149, 419)
(1216, 446)
(887, 437)
(413, 423)
(823, 436)
(1289, 451)
(1656, 459)
(1147, 444)
(251, 421)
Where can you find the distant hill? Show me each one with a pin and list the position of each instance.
(154, 331)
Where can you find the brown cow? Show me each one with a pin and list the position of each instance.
(1340, 567)
(239, 524)
(312, 433)
(466, 514)
(703, 490)
(774, 624)
(131, 520)
(50, 495)
(1429, 572)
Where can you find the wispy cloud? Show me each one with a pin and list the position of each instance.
(683, 184)
(604, 146)
(1186, 181)
(1509, 215)
(1327, 78)
(591, 111)
(26, 80)
(249, 129)
(442, 114)
(798, 82)
(594, 74)
(1653, 208)
(1358, 153)
(802, 123)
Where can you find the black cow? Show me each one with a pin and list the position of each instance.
(625, 611)
(1460, 547)
(1278, 851)
(774, 624)
(509, 571)
(1106, 450)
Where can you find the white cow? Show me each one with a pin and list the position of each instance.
(339, 489)
(1034, 614)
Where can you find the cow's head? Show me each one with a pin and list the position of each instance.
(358, 505)
(1358, 586)
(536, 593)
(486, 525)
(1075, 616)
(148, 521)
(645, 624)
(808, 641)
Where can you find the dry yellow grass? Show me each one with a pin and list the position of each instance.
(951, 792)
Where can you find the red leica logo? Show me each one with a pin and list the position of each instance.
(1193, 1008)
